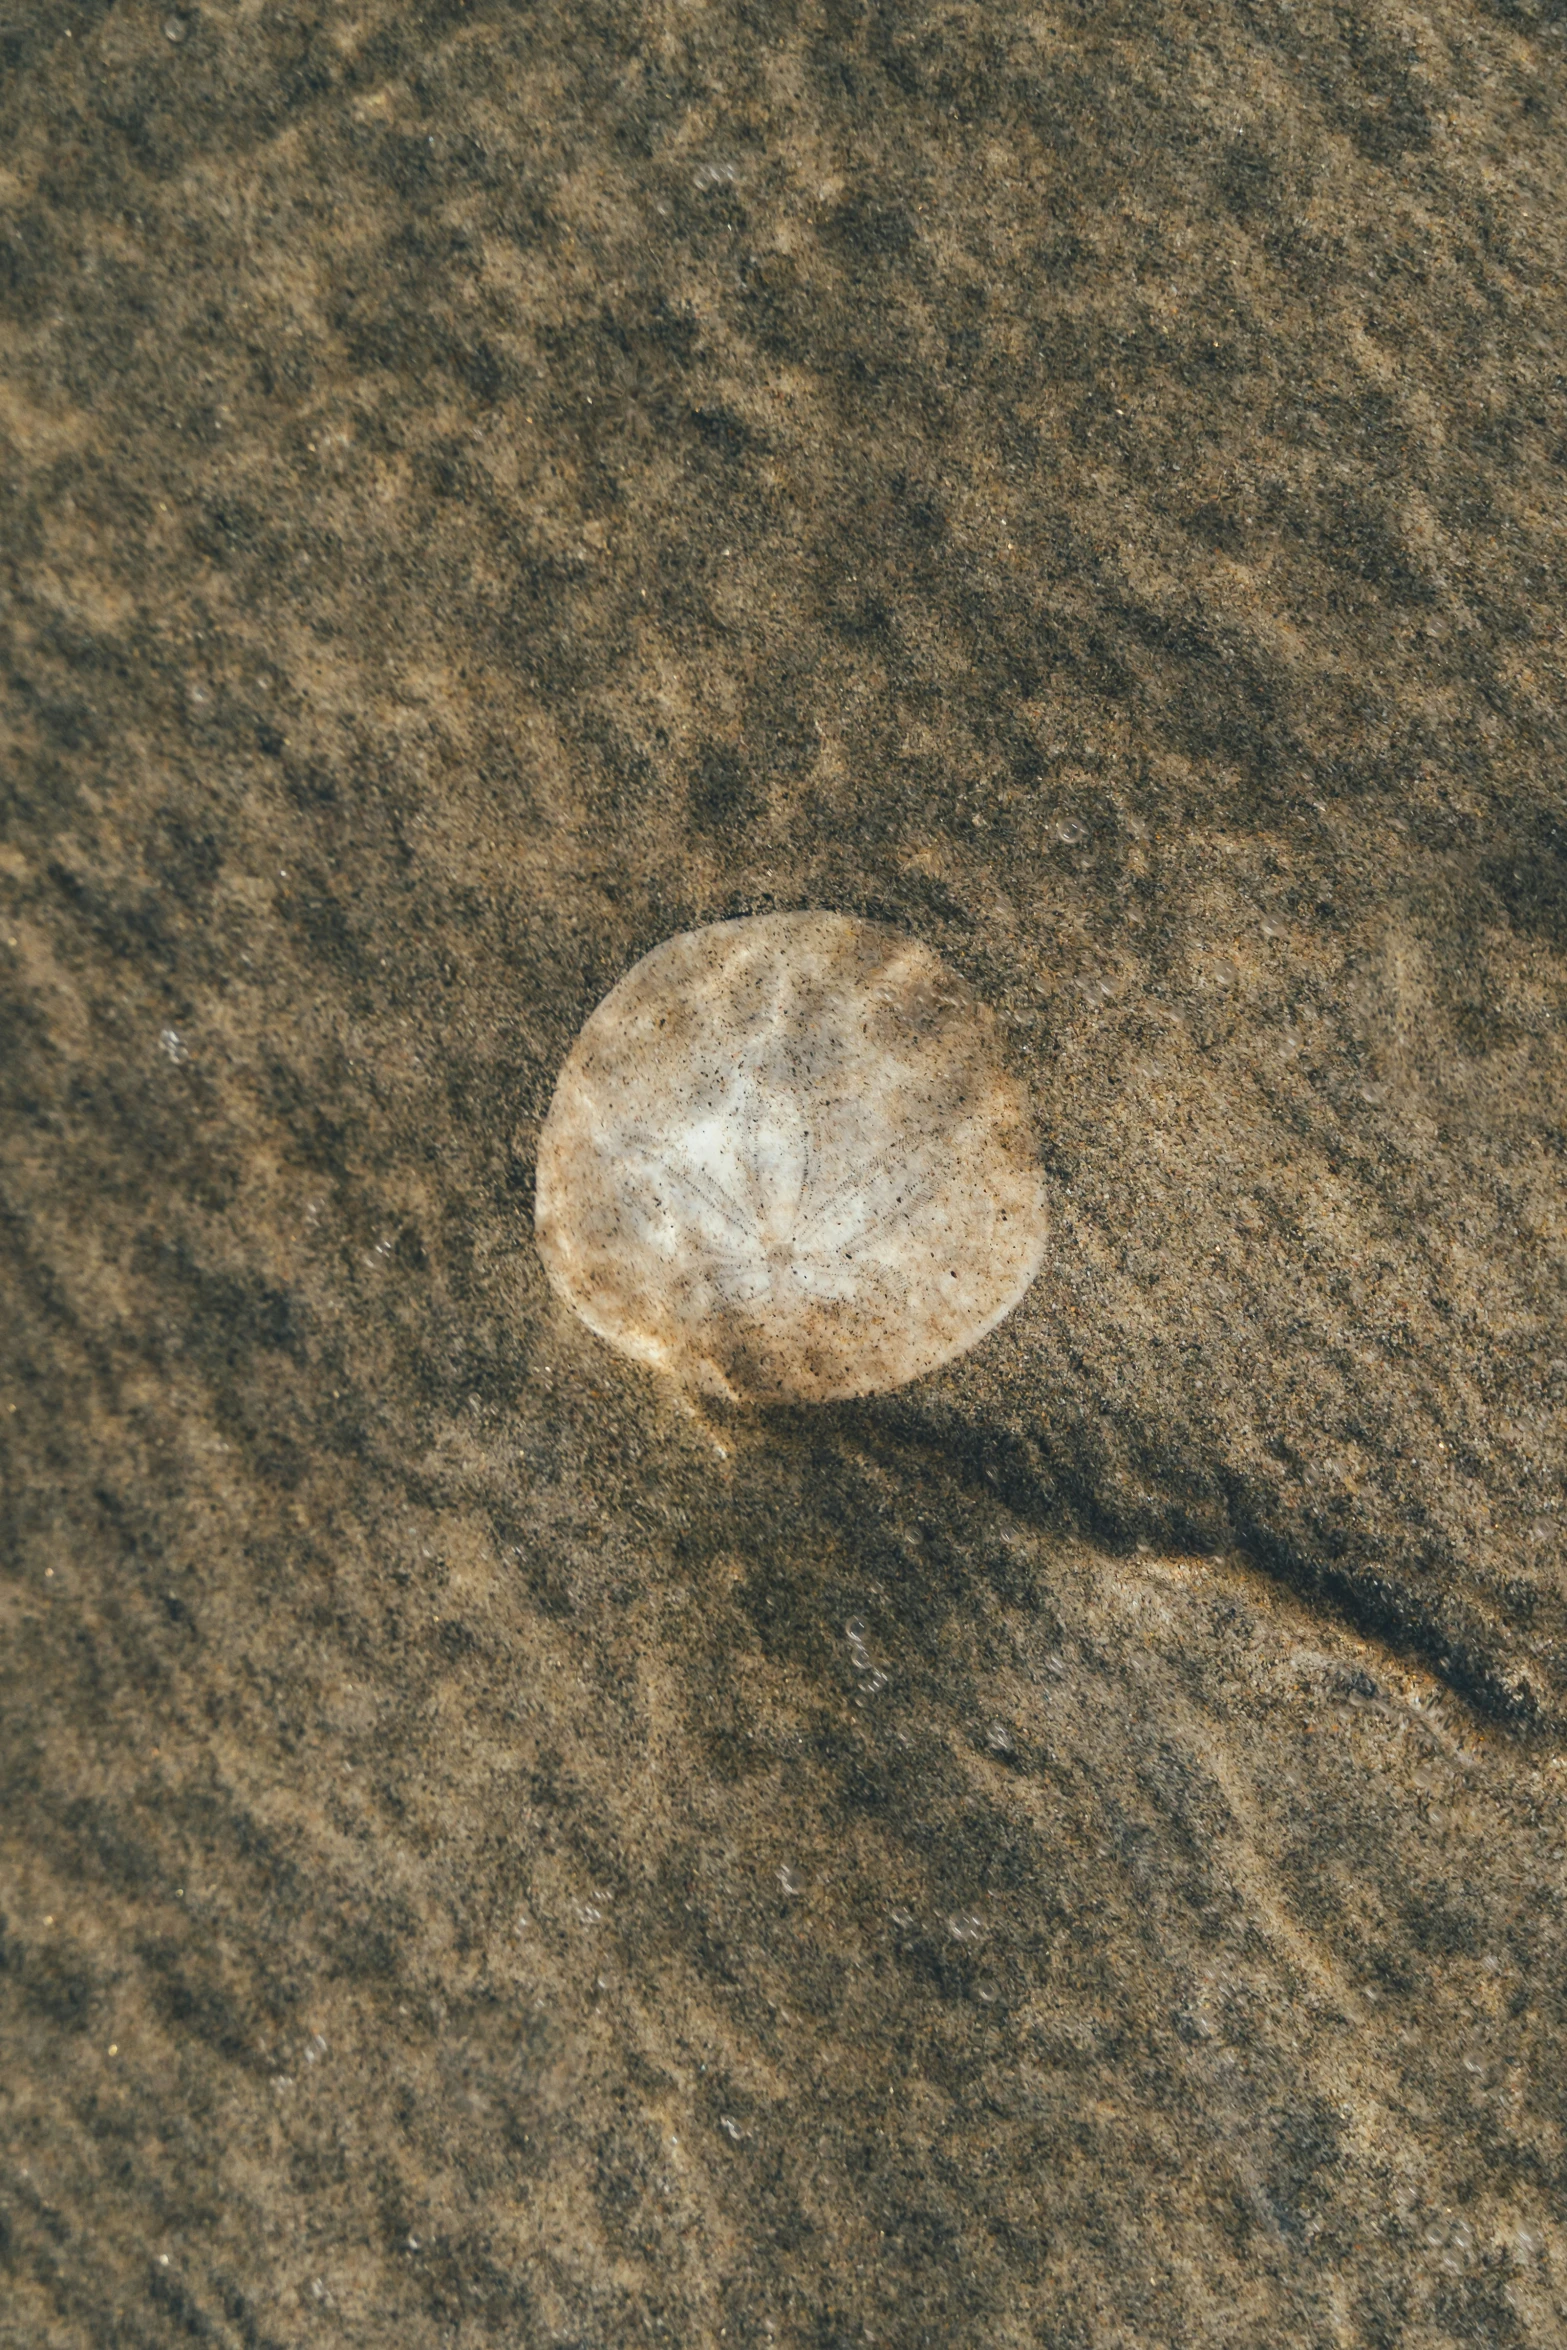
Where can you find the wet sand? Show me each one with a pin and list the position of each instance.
(484, 491)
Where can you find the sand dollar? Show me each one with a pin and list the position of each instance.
(785, 1160)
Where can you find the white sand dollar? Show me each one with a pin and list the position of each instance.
(784, 1160)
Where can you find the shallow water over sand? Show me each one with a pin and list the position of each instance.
(486, 491)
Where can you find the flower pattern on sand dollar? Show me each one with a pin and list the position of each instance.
(784, 1160)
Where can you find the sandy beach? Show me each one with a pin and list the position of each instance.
(486, 489)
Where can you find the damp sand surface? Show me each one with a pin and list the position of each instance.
(487, 492)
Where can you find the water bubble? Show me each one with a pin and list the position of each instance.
(902, 1917)
(1291, 1045)
(173, 1046)
(588, 1914)
(789, 1881)
(999, 1738)
(876, 1680)
(731, 2127)
(855, 1628)
(175, 28)
(1070, 833)
(964, 1926)
(987, 1991)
